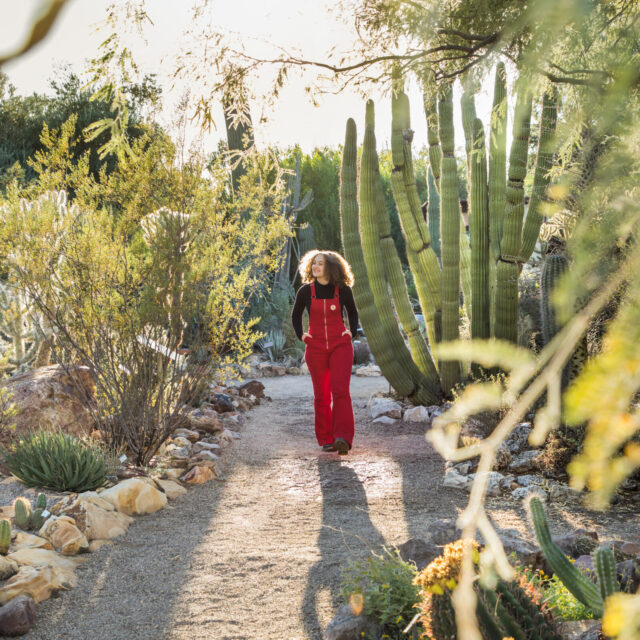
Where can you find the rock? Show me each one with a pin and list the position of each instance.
(417, 414)
(94, 545)
(220, 402)
(463, 468)
(252, 388)
(271, 370)
(173, 474)
(294, 371)
(17, 616)
(37, 582)
(226, 437)
(199, 475)
(347, 626)
(577, 543)
(171, 489)
(521, 493)
(494, 480)
(518, 439)
(189, 434)
(626, 549)
(444, 531)
(369, 371)
(63, 534)
(44, 558)
(584, 563)
(181, 442)
(528, 554)
(135, 497)
(52, 398)
(454, 480)
(24, 540)
(579, 629)
(8, 568)
(179, 452)
(560, 491)
(629, 575)
(524, 462)
(384, 407)
(205, 446)
(502, 458)
(385, 421)
(203, 455)
(304, 367)
(421, 552)
(206, 420)
(530, 479)
(476, 428)
(130, 471)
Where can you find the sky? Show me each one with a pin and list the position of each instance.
(309, 25)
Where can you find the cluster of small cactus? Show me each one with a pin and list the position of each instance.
(5, 536)
(590, 594)
(56, 461)
(506, 610)
(28, 518)
(440, 258)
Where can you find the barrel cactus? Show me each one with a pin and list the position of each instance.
(5, 536)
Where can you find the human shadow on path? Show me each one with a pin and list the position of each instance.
(340, 539)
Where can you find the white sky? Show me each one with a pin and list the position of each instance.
(306, 24)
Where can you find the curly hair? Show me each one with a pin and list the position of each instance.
(337, 268)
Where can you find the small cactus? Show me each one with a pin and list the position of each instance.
(41, 502)
(5, 536)
(22, 513)
(37, 519)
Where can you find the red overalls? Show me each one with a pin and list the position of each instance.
(329, 356)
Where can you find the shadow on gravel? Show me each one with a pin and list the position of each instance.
(338, 542)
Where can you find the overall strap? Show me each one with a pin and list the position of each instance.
(313, 289)
(336, 292)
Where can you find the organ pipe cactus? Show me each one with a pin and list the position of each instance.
(450, 237)
(590, 594)
(5, 536)
(405, 380)
(508, 268)
(553, 267)
(479, 226)
(433, 212)
(497, 175)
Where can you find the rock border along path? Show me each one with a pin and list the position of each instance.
(259, 554)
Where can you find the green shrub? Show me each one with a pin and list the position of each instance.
(386, 584)
(562, 603)
(56, 461)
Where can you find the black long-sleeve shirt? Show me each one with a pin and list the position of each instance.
(323, 292)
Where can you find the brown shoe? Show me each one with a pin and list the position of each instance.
(328, 447)
(342, 446)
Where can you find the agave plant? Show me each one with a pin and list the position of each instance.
(56, 461)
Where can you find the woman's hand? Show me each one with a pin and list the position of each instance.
(308, 335)
(348, 333)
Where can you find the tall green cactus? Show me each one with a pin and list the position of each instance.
(479, 226)
(580, 586)
(553, 267)
(450, 236)
(546, 134)
(5, 536)
(605, 564)
(497, 177)
(508, 268)
(433, 212)
(404, 377)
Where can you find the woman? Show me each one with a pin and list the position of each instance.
(326, 291)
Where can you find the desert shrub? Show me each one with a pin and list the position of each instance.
(56, 461)
(384, 584)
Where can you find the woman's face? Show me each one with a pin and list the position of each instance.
(317, 266)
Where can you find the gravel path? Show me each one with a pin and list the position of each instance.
(258, 556)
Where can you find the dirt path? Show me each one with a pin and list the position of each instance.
(259, 555)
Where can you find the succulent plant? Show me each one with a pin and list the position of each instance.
(5, 536)
(22, 513)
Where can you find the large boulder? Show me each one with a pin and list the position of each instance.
(63, 534)
(44, 558)
(37, 582)
(95, 517)
(135, 497)
(385, 407)
(53, 398)
(17, 616)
